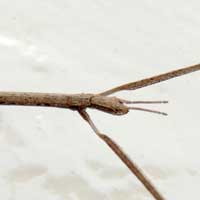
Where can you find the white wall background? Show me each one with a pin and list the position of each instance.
(74, 46)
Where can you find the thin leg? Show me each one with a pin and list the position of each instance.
(152, 80)
(125, 159)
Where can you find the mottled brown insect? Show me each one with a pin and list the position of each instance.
(102, 102)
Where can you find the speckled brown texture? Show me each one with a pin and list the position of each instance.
(112, 105)
(102, 102)
(45, 99)
(152, 80)
(132, 166)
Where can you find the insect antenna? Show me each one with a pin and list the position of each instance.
(147, 110)
(144, 109)
(143, 102)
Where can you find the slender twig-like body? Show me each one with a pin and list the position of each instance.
(110, 105)
(102, 102)
(45, 99)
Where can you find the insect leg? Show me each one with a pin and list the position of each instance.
(124, 158)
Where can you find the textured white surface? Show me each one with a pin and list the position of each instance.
(76, 46)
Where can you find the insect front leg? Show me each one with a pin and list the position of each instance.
(123, 157)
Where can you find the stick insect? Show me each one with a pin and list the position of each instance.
(102, 102)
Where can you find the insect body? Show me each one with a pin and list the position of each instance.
(101, 102)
